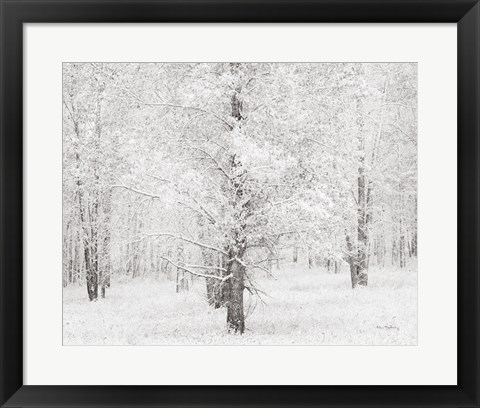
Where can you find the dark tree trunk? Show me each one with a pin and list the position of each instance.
(235, 313)
(394, 251)
(70, 271)
(182, 281)
(362, 230)
(351, 259)
(362, 203)
(94, 257)
(92, 285)
(134, 248)
(158, 262)
(101, 278)
(102, 288)
(89, 251)
(152, 259)
(91, 268)
(66, 256)
(73, 266)
(235, 266)
(414, 234)
(402, 252)
(379, 250)
(414, 244)
(105, 267)
(128, 259)
(95, 210)
(77, 264)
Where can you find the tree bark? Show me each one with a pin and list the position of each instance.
(89, 250)
(235, 313)
(402, 252)
(351, 259)
(414, 244)
(106, 267)
(182, 281)
(236, 268)
(362, 237)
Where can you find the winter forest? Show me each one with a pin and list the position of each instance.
(239, 203)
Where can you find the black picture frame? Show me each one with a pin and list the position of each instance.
(14, 13)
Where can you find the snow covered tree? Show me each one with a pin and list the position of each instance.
(217, 171)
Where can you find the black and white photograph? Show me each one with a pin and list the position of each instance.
(239, 203)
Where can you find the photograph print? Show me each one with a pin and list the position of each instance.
(239, 203)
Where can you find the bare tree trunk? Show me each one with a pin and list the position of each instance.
(152, 259)
(91, 267)
(94, 249)
(394, 251)
(136, 248)
(158, 261)
(236, 268)
(362, 230)
(363, 196)
(91, 276)
(106, 264)
(77, 264)
(402, 252)
(128, 260)
(351, 259)
(89, 236)
(414, 234)
(414, 244)
(68, 254)
(235, 313)
(182, 281)
(90, 251)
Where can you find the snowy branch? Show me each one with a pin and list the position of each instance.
(193, 242)
(203, 275)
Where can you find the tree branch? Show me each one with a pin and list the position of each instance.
(191, 241)
(184, 268)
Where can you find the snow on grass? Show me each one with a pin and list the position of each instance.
(303, 307)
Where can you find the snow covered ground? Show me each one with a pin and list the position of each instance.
(303, 307)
